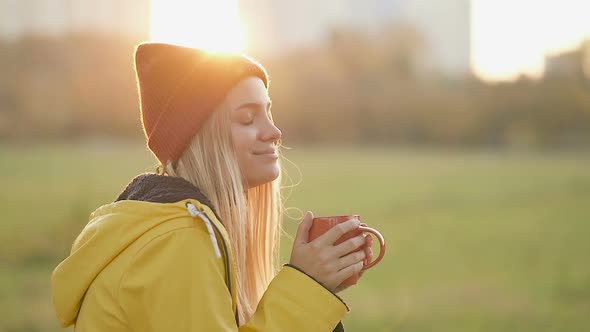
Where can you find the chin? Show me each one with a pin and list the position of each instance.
(264, 178)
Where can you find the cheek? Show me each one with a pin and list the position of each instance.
(243, 140)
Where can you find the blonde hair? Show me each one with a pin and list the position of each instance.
(251, 216)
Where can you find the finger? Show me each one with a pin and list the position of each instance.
(349, 245)
(369, 252)
(350, 259)
(367, 248)
(302, 235)
(333, 234)
(368, 255)
(368, 243)
(349, 271)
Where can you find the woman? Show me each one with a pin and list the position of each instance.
(194, 248)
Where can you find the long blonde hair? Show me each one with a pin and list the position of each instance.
(251, 216)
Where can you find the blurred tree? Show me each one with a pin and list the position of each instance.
(355, 88)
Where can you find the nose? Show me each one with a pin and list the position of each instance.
(270, 133)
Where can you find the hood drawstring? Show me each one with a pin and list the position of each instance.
(192, 209)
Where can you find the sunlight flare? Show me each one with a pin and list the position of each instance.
(510, 38)
(213, 25)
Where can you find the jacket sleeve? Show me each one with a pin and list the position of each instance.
(176, 283)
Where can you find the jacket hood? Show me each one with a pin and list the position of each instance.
(147, 201)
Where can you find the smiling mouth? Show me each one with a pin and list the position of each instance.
(264, 152)
(272, 154)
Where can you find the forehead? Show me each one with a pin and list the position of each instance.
(248, 90)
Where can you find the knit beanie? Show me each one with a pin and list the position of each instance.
(179, 87)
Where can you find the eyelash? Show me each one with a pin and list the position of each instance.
(251, 119)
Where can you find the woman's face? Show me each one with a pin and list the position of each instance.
(254, 134)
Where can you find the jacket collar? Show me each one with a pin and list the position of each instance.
(151, 187)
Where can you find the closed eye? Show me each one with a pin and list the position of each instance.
(248, 111)
(246, 117)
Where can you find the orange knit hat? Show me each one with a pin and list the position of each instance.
(179, 87)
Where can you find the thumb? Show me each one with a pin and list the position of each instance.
(303, 229)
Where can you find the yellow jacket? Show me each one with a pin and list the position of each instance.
(144, 265)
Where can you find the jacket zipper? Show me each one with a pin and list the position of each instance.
(192, 209)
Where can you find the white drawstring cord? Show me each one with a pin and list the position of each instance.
(192, 209)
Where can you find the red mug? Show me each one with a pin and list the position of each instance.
(320, 225)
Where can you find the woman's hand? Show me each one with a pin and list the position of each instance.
(368, 259)
(321, 259)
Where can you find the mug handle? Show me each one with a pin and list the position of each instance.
(379, 237)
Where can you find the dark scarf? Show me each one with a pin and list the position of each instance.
(151, 187)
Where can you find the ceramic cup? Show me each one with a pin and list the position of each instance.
(320, 225)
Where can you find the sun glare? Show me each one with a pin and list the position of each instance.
(512, 37)
(213, 25)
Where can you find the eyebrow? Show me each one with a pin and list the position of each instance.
(267, 106)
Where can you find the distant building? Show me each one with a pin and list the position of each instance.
(569, 64)
(56, 18)
(276, 26)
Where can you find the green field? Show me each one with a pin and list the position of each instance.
(477, 240)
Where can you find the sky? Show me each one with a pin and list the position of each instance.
(210, 24)
(508, 37)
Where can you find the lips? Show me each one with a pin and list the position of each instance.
(267, 151)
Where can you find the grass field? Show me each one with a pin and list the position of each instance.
(477, 240)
